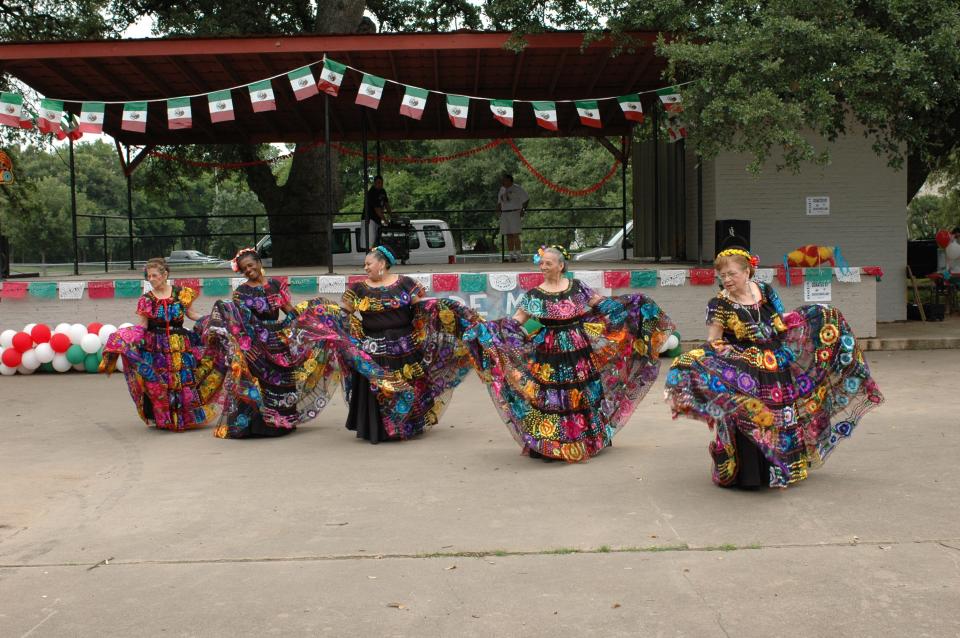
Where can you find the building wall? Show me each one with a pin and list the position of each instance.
(867, 211)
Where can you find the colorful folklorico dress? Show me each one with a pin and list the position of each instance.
(568, 388)
(267, 389)
(160, 361)
(419, 348)
(791, 386)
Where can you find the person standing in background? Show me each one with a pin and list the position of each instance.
(378, 206)
(512, 203)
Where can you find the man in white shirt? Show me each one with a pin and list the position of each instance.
(511, 204)
(952, 254)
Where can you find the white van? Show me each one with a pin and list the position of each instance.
(612, 250)
(431, 242)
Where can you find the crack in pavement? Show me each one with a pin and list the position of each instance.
(499, 553)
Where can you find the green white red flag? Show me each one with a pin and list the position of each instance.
(631, 106)
(11, 107)
(301, 81)
(51, 111)
(670, 97)
(69, 127)
(179, 113)
(458, 107)
(331, 77)
(676, 129)
(414, 101)
(261, 96)
(134, 117)
(91, 117)
(371, 90)
(589, 112)
(221, 106)
(546, 114)
(28, 119)
(502, 111)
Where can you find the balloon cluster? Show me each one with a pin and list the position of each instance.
(65, 347)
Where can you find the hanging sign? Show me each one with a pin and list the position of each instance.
(818, 205)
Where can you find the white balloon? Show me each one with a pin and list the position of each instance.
(76, 333)
(90, 343)
(24, 370)
(79, 367)
(44, 352)
(60, 363)
(124, 325)
(120, 364)
(105, 331)
(7, 372)
(62, 328)
(6, 338)
(29, 360)
(670, 343)
(27, 328)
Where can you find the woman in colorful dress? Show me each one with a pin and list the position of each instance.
(417, 343)
(568, 385)
(267, 389)
(160, 355)
(781, 390)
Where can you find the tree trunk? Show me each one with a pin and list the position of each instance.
(297, 211)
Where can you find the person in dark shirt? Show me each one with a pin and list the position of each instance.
(378, 206)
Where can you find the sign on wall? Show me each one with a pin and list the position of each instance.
(819, 205)
(816, 292)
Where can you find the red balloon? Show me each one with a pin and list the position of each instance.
(60, 342)
(943, 238)
(40, 333)
(22, 342)
(11, 357)
(94, 328)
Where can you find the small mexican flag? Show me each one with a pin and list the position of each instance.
(414, 101)
(670, 97)
(331, 77)
(546, 114)
(11, 106)
(69, 127)
(27, 119)
(502, 111)
(457, 108)
(589, 113)
(134, 117)
(676, 129)
(301, 81)
(179, 113)
(221, 106)
(91, 117)
(371, 90)
(50, 113)
(261, 96)
(632, 109)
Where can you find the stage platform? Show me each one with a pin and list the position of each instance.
(492, 289)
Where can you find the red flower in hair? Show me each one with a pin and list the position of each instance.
(754, 261)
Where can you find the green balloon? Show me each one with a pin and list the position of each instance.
(91, 363)
(75, 354)
(46, 367)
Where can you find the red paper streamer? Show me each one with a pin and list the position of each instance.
(100, 289)
(702, 277)
(446, 282)
(14, 290)
(796, 276)
(529, 280)
(616, 279)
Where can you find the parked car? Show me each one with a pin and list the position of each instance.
(430, 241)
(192, 258)
(612, 250)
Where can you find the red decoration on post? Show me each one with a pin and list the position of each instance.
(943, 238)
(702, 276)
(100, 289)
(446, 282)
(876, 271)
(616, 279)
(530, 280)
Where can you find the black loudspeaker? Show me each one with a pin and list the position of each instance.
(922, 257)
(4, 257)
(731, 232)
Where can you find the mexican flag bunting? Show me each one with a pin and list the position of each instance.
(670, 97)
(371, 90)
(457, 108)
(28, 119)
(632, 109)
(221, 106)
(301, 81)
(676, 129)
(502, 111)
(589, 113)
(331, 77)
(546, 114)
(69, 127)
(50, 114)
(11, 107)
(91, 117)
(261, 96)
(134, 117)
(179, 113)
(414, 101)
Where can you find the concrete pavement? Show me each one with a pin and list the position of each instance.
(110, 529)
